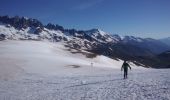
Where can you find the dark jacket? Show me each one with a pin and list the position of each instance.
(125, 66)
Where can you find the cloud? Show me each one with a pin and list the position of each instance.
(87, 4)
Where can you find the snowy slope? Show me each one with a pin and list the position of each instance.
(37, 70)
(48, 58)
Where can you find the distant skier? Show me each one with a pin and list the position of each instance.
(125, 68)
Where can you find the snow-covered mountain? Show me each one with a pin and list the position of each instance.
(32, 29)
(94, 40)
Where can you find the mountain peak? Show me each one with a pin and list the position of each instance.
(94, 30)
(97, 32)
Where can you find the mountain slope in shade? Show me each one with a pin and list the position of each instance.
(166, 41)
(153, 45)
(164, 59)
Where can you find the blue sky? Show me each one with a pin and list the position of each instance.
(143, 18)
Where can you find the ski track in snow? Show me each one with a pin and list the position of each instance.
(145, 85)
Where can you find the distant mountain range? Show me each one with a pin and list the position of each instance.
(166, 41)
(143, 51)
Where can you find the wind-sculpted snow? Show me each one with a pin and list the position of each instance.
(36, 70)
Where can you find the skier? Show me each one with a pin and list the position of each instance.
(125, 68)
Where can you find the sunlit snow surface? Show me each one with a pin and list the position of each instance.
(34, 70)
